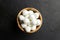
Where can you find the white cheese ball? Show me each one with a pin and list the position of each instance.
(38, 22)
(26, 21)
(33, 27)
(28, 29)
(25, 12)
(30, 12)
(24, 25)
(32, 16)
(34, 21)
(21, 17)
(36, 15)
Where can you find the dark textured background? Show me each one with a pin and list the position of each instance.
(50, 29)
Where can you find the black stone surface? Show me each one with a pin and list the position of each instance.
(50, 29)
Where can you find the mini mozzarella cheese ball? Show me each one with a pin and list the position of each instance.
(30, 12)
(33, 27)
(38, 22)
(36, 15)
(28, 29)
(21, 17)
(25, 12)
(34, 21)
(26, 21)
(32, 16)
(24, 25)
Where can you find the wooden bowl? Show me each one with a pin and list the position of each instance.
(19, 24)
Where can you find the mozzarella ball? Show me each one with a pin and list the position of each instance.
(38, 22)
(28, 29)
(34, 21)
(32, 17)
(36, 15)
(21, 17)
(26, 21)
(24, 25)
(25, 12)
(33, 27)
(30, 12)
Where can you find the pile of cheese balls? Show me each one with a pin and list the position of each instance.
(30, 20)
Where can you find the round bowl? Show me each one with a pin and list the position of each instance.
(19, 22)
